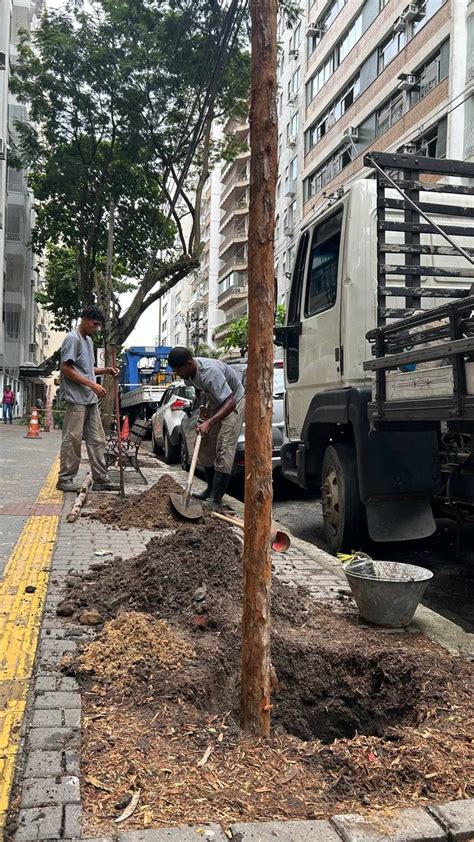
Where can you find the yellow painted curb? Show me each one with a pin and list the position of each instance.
(20, 622)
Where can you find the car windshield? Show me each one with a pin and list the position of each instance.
(278, 383)
(189, 393)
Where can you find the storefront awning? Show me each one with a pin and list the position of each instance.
(44, 369)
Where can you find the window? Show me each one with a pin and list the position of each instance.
(331, 167)
(388, 114)
(341, 50)
(335, 111)
(431, 74)
(324, 22)
(294, 83)
(12, 320)
(390, 49)
(431, 7)
(294, 169)
(296, 37)
(321, 290)
(164, 309)
(293, 126)
(432, 144)
(164, 326)
(177, 299)
(176, 339)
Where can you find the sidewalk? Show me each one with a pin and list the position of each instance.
(47, 802)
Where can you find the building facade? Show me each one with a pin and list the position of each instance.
(25, 328)
(384, 75)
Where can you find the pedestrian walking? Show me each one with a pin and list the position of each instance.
(8, 402)
(81, 392)
(225, 409)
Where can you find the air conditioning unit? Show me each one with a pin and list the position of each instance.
(289, 230)
(407, 81)
(315, 30)
(408, 149)
(292, 99)
(3, 149)
(294, 53)
(351, 134)
(290, 191)
(413, 12)
(3, 61)
(292, 140)
(399, 25)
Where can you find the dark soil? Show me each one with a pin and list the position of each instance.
(360, 718)
(334, 678)
(150, 510)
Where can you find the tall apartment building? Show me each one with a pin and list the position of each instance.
(25, 327)
(290, 106)
(385, 75)
(233, 228)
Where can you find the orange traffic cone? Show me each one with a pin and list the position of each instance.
(33, 429)
(125, 429)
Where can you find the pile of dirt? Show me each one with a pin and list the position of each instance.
(360, 718)
(150, 510)
(127, 647)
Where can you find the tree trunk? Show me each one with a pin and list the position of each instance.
(255, 684)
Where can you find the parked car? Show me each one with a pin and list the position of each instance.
(187, 436)
(166, 420)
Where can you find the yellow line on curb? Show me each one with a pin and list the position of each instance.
(20, 621)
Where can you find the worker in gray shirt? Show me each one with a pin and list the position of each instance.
(225, 398)
(81, 392)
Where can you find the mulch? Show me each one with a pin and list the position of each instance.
(362, 720)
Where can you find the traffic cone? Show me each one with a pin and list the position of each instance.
(33, 429)
(125, 429)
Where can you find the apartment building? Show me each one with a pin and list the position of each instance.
(232, 281)
(291, 111)
(385, 75)
(25, 327)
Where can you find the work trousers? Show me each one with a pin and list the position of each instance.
(7, 412)
(80, 422)
(218, 446)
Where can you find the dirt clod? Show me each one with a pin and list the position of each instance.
(91, 617)
(150, 510)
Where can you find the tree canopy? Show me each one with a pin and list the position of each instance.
(122, 95)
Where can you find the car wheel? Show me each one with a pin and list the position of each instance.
(171, 453)
(344, 515)
(156, 447)
(183, 455)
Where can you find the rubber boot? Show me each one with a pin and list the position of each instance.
(219, 488)
(206, 492)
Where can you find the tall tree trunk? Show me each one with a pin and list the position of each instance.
(255, 684)
(104, 294)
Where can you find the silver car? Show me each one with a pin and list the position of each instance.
(190, 417)
(166, 420)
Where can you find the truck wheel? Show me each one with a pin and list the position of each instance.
(183, 455)
(171, 453)
(343, 511)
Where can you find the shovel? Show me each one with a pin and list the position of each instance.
(183, 503)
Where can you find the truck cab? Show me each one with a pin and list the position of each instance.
(380, 477)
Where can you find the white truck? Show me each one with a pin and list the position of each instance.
(379, 350)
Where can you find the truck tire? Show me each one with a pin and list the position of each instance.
(170, 452)
(344, 517)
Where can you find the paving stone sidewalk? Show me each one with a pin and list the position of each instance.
(48, 780)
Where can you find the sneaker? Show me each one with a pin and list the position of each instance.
(105, 486)
(68, 486)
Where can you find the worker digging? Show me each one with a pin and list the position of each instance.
(222, 417)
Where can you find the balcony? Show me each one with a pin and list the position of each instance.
(237, 236)
(238, 209)
(240, 182)
(235, 292)
(237, 263)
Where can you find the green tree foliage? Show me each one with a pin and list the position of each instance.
(237, 335)
(115, 88)
(61, 296)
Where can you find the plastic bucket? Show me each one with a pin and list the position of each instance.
(387, 593)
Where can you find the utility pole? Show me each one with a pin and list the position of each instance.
(255, 680)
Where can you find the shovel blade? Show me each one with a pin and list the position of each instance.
(190, 509)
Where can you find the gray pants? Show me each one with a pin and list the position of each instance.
(218, 446)
(80, 422)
